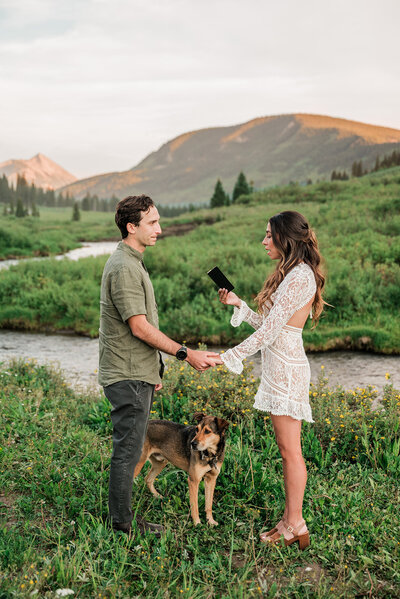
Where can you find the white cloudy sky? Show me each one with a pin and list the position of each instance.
(96, 85)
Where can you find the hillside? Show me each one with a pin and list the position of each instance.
(39, 170)
(357, 224)
(270, 150)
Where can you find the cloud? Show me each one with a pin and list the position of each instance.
(97, 84)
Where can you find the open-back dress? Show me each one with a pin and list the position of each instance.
(285, 376)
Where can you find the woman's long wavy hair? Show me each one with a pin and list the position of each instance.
(296, 242)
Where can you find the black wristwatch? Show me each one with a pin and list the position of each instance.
(181, 354)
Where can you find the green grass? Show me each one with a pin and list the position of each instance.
(358, 226)
(53, 233)
(55, 451)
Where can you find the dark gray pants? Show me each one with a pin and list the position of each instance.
(131, 404)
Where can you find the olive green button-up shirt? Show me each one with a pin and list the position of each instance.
(126, 291)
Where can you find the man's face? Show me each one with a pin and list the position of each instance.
(148, 229)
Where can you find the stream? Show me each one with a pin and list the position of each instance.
(78, 356)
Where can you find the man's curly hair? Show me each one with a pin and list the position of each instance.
(129, 210)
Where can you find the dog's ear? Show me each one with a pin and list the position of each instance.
(198, 416)
(221, 424)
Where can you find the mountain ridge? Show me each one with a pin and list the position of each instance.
(271, 150)
(40, 170)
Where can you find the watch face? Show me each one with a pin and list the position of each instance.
(181, 354)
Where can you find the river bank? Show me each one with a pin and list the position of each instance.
(355, 222)
(62, 296)
(88, 248)
(78, 358)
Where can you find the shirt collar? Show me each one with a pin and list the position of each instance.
(129, 250)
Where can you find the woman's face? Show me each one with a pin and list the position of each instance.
(269, 245)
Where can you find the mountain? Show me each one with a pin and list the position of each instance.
(270, 150)
(39, 170)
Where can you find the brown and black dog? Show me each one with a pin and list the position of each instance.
(198, 450)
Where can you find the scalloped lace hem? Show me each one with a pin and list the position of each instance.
(286, 407)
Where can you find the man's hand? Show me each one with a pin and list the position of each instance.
(229, 298)
(141, 328)
(158, 387)
(201, 360)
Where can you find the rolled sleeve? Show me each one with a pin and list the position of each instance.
(128, 294)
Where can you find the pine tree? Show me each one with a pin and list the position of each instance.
(357, 169)
(51, 198)
(34, 210)
(86, 202)
(95, 203)
(113, 203)
(20, 210)
(22, 189)
(76, 214)
(242, 188)
(219, 197)
(5, 194)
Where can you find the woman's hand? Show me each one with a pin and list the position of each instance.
(229, 298)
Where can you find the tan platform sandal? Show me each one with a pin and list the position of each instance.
(268, 533)
(302, 539)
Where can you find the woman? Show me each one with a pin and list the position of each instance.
(289, 295)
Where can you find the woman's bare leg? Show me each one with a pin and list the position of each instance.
(288, 436)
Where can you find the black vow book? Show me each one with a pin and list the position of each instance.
(220, 279)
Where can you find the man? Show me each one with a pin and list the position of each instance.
(130, 366)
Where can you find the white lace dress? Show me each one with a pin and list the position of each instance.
(285, 376)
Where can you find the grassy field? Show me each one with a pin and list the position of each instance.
(358, 226)
(53, 233)
(55, 449)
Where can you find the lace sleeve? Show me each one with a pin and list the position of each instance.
(244, 313)
(295, 291)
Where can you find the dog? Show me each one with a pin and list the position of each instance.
(198, 450)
